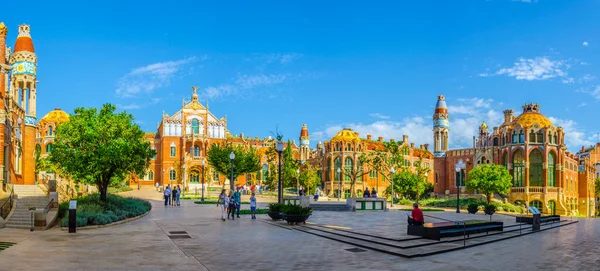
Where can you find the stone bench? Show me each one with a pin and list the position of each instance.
(436, 231)
(303, 201)
(544, 219)
(361, 204)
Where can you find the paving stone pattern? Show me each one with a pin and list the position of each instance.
(246, 244)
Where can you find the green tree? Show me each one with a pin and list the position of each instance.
(246, 160)
(390, 155)
(356, 172)
(597, 186)
(309, 179)
(42, 164)
(489, 180)
(289, 167)
(97, 145)
(404, 183)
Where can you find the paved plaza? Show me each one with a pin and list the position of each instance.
(245, 244)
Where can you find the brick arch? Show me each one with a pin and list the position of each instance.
(544, 154)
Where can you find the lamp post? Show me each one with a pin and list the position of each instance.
(231, 156)
(202, 163)
(339, 171)
(392, 171)
(298, 181)
(458, 168)
(279, 149)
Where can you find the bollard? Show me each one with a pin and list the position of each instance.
(72, 216)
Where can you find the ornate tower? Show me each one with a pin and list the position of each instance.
(441, 128)
(23, 106)
(304, 144)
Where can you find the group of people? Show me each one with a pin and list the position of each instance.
(370, 194)
(172, 195)
(231, 203)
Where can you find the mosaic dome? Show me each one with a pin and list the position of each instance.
(55, 116)
(531, 116)
(345, 135)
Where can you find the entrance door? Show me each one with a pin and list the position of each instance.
(552, 206)
(194, 176)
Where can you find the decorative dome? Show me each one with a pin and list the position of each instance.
(55, 116)
(483, 125)
(531, 115)
(440, 107)
(24, 42)
(345, 135)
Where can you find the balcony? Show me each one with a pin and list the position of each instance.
(517, 189)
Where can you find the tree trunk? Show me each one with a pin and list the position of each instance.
(103, 191)
(352, 192)
(489, 198)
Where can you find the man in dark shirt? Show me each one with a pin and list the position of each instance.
(366, 194)
(417, 216)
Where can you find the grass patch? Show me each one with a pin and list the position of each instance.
(187, 197)
(119, 189)
(91, 211)
(424, 209)
(258, 212)
(215, 202)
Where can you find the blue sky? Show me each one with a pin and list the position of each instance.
(376, 67)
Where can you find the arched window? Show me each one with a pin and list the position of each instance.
(196, 150)
(194, 176)
(532, 136)
(195, 126)
(172, 175)
(514, 137)
(519, 168)
(150, 175)
(550, 137)
(540, 137)
(359, 170)
(521, 137)
(555, 139)
(537, 204)
(49, 148)
(505, 160)
(495, 141)
(535, 168)
(349, 166)
(337, 165)
(551, 163)
(50, 131)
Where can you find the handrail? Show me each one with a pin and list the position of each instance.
(9, 201)
(48, 207)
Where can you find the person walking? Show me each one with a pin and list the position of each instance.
(167, 194)
(173, 196)
(232, 207)
(237, 197)
(223, 202)
(178, 195)
(156, 186)
(253, 205)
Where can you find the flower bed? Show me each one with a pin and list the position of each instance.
(92, 211)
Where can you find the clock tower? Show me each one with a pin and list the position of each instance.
(304, 144)
(441, 128)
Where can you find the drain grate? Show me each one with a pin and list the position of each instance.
(5, 245)
(355, 250)
(179, 236)
(178, 232)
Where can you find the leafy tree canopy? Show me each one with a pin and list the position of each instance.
(489, 179)
(246, 160)
(96, 146)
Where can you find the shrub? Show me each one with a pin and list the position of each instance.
(403, 201)
(119, 189)
(258, 211)
(276, 207)
(292, 209)
(473, 205)
(92, 211)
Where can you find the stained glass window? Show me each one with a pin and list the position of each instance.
(551, 176)
(535, 170)
(519, 168)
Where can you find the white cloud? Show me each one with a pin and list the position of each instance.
(595, 92)
(253, 81)
(569, 80)
(574, 136)
(585, 43)
(540, 68)
(245, 83)
(380, 116)
(145, 80)
(581, 105)
(138, 105)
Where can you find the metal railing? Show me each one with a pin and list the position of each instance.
(49, 206)
(8, 203)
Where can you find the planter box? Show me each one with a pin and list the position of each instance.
(275, 215)
(295, 219)
(359, 204)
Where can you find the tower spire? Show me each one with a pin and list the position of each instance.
(304, 143)
(441, 127)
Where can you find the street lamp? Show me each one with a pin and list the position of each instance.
(231, 156)
(392, 171)
(339, 171)
(298, 181)
(279, 149)
(202, 163)
(458, 168)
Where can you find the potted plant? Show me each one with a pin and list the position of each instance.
(489, 209)
(275, 211)
(296, 213)
(473, 208)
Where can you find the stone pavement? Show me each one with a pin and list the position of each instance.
(246, 244)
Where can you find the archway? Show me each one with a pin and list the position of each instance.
(194, 176)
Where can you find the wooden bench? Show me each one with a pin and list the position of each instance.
(544, 219)
(438, 230)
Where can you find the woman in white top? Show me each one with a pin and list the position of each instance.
(224, 202)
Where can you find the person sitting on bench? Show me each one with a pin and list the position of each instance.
(417, 216)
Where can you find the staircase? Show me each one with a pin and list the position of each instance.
(335, 207)
(27, 196)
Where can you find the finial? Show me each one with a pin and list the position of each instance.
(3, 29)
(24, 31)
(194, 88)
(441, 97)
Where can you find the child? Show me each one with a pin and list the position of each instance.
(253, 206)
(232, 207)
